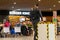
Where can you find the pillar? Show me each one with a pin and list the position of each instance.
(55, 19)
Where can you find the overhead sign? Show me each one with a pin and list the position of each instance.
(19, 13)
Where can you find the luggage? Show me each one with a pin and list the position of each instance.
(12, 31)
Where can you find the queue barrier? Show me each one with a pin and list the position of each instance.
(46, 31)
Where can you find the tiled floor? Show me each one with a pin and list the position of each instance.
(24, 38)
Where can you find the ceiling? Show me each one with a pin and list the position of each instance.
(28, 4)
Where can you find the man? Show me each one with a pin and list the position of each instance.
(35, 16)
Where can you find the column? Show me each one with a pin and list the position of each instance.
(55, 19)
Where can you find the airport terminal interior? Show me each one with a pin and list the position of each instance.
(29, 19)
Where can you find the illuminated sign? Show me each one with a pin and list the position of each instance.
(19, 13)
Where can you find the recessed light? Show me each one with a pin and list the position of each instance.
(58, 1)
(31, 8)
(54, 5)
(18, 9)
(50, 8)
(12, 6)
(39, 0)
(14, 3)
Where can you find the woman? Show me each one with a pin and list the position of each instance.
(6, 26)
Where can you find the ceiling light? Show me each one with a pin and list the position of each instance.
(39, 0)
(58, 1)
(54, 5)
(14, 3)
(12, 6)
(18, 9)
(31, 8)
(50, 8)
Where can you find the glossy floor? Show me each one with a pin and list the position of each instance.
(24, 38)
(18, 38)
(58, 37)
